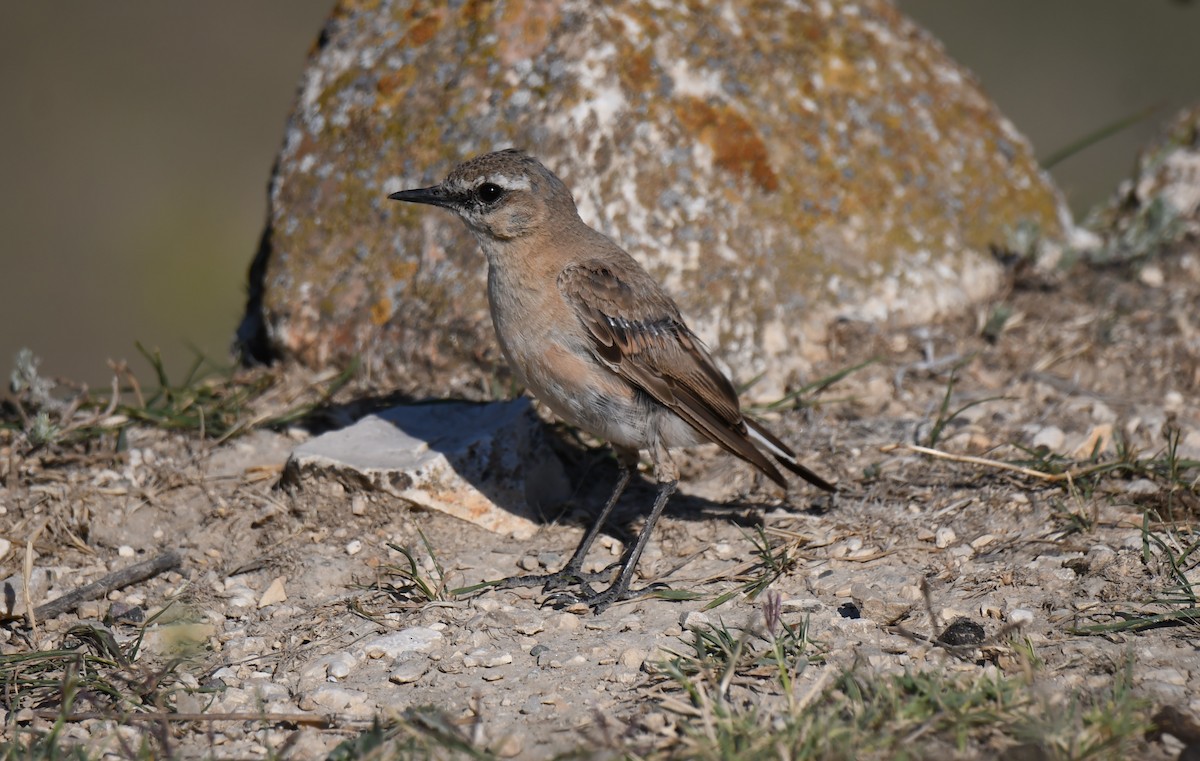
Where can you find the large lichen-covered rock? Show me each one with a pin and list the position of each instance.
(778, 165)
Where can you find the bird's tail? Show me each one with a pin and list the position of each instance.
(785, 456)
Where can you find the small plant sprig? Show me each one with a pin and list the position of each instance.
(773, 562)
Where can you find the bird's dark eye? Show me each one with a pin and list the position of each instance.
(489, 192)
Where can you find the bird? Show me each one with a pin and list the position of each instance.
(593, 336)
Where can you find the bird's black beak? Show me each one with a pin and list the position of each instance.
(434, 196)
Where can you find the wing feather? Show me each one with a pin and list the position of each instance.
(642, 337)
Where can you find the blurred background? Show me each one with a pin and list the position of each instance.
(138, 136)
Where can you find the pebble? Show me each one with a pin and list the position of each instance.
(1051, 437)
(339, 699)
(408, 670)
(1169, 676)
(240, 595)
(529, 627)
(274, 593)
(1100, 557)
(532, 706)
(982, 541)
(1152, 275)
(1141, 486)
(528, 563)
(508, 746)
(944, 537)
(566, 622)
(842, 549)
(353, 547)
(693, 618)
(487, 658)
(806, 604)
(332, 666)
(125, 551)
(632, 658)
(416, 639)
(244, 648)
(1020, 616)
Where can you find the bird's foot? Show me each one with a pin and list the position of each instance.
(584, 593)
(567, 577)
(600, 601)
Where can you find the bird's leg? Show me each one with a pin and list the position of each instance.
(668, 480)
(620, 588)
(572, 572)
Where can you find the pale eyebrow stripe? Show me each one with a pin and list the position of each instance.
(509, 183)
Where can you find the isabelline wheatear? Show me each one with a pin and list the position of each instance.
(591, 334)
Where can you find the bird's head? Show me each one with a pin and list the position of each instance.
(500, 196)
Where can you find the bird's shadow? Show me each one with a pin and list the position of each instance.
(590, 471)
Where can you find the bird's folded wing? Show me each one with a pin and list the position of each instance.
(637, 331)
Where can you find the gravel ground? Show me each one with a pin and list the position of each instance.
(296, 603)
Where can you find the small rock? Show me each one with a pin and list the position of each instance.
(1100, 557)
(408, 670)
(694, 619)
(416, 639)
(458, 458)
(332, 666)
(842, 549)
(961, 633)
(1020, 616)
(353, 547)
(508, 746)
(274, 593)
(1050, 437)
(125, 551)
(982, 541)
(487, 659)
(532, 706)
(566, 622)
(528, 563)
(240, 595)
(340, 669)
(529, 627)
(1141, 486)
(1169, 676)
(944, 537)
(632, 658)
(340, 700)
(1152, 275)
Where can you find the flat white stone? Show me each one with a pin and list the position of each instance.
(487, 464)
(416, 639)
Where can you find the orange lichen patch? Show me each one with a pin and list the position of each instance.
(733, 140)
(424, 26)
(524, 28)
(393, 86)
(636, 70)
(381, 311)
(476, 11)
(402, 270)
